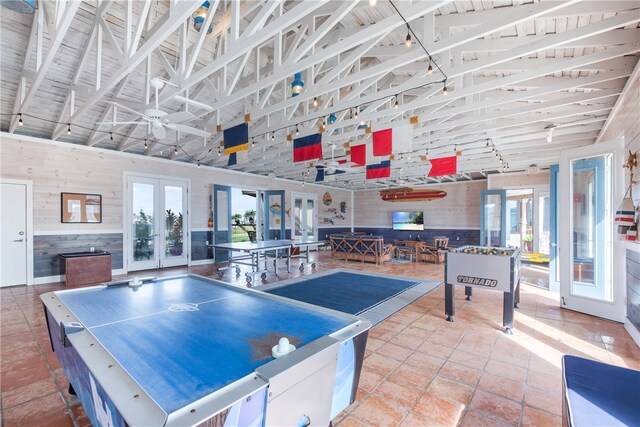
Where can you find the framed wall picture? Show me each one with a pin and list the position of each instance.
(80, 207)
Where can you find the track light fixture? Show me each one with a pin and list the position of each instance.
(175, 150)
(146, 145)
(20, 122)
(430, 69)
(253, 141)
(219, 151)
(315, 101)
(396, 105)
(356, 113)
(68, 128)
(445, 91)
(111, 136)
(297, 130)
(273, 136)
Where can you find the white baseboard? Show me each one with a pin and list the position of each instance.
(632, 330)
(46, 279)
(202, 262)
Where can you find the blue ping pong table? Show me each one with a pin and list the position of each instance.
(257, 253)
(189, 350)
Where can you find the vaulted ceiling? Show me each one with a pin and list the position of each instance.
(525, 78)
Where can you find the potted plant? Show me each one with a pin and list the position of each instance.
(528, 242)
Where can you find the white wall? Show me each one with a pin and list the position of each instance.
(460, 208)
(55, 167)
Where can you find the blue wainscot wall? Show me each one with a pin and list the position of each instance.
(457, 237)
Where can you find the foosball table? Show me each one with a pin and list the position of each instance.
(494, 268)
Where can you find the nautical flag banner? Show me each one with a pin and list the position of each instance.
(444, 166)
(307, 148)
(382, 170)
(382, 142)
(359, 154)
(239, 158)
(393, 140)
(236, 138)
(319, 173)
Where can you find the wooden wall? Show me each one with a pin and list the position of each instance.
(518, 180)
(60, 167)
(460, 209)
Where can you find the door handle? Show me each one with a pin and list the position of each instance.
(19, 240)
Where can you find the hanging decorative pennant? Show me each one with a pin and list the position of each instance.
(444, 166)
(307, 147)
(236, 138)
(381, 170)
(393, 140)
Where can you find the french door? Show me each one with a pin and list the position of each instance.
(305, 217)
(157, 219)
(589, 263)
(493, 217)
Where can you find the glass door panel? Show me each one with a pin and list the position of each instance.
(310, 220)
(554, 254)
(493, 215)
(274, 212)
(588, 217)
(304, 217)
(175, 207)
(143, 242)
(222, 229)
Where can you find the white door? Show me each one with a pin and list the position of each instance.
(13, 249)
(157, 221)
(305, 217)
(590, 259)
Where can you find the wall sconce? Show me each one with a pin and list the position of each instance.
(297, 84)
(199, 16)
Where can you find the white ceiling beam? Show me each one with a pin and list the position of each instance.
(372, 31)
(144, 13)
(247, 42)
(318, 33)
(197, 47)
(164, 28)
(488, 15)
(66, 19)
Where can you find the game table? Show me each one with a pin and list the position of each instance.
(494, 268)
(191, 351)
(256, 254)
(259, 252)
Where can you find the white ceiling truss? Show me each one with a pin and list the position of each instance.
(513, 69)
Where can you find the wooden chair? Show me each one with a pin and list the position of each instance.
(441, 243)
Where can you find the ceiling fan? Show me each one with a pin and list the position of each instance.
(336, 165)
(159, 121)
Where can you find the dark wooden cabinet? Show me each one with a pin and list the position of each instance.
(85, 268)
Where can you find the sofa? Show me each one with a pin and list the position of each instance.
(360, 248)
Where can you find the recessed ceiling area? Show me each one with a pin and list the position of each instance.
(525, 79)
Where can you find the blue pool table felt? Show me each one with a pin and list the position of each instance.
(181, 356)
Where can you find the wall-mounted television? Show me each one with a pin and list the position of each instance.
(407, 220)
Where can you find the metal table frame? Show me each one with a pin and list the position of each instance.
(256, 252)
